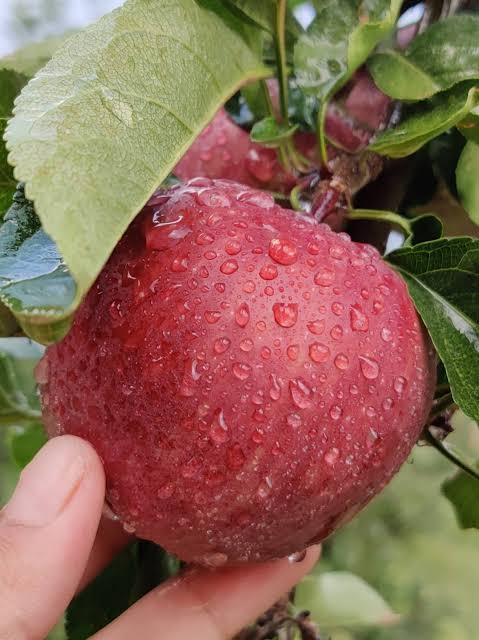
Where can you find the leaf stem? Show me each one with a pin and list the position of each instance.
(381, 216)
(280, 44)
(440, 405)
(320, 133)
(448, 453)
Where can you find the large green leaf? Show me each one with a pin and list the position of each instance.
(18, 399)
(445, 54)
(426, 120)
(339, 40)
(32, 57)
(34, 282)
(11, 83)
(342, 599)
(462, 490)
(117, 106)
(467, 180)
(263, 13)
(400, 78)
(443, 280)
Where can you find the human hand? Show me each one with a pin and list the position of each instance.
(51, 545)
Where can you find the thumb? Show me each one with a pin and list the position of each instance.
(46, 534)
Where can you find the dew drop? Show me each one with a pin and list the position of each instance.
(370, 412)
(257, 198)
(313, 248)
(372, 438)
(212, 317)
(257, 436)
(399, 385)
(318, 352)
(377, 306)
(386, 334)
(261, 325)
(179, 264)
(283, 251)
(249, 286)
(265, 353)
(220, 287)
(275, 389)
(298, 556)
(232, 247)
(246, 345)
(222, 344)
(258, 415)
(258, 398)
(294, 420)
(269, 291)
(336, 252)
(228, 267)
(212, 198)
(301, 394)
(219, 429)
(388, 403)
(358, 320)
(341, 361)
(203, 272)
(285, 314)
(354, 389)
(335, 412)
(268, 272)
(369, 367)
(242, 315)
(213, 559)
(331, 457)
(324, 277)
(292, 352)
(265, 487)
(316, 327)
(204, 238)
(241, 370)
(336, 332)
(337, 308)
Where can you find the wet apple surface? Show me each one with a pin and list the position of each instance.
(250, 378)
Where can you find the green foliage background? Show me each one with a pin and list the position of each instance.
(406, 544)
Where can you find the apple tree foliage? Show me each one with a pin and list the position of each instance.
(94, 122)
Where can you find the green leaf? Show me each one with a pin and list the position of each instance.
(462, 490)
(11, 84)
(342, 599)
(31, 58)
(469, 126)
(426, 120)
(25, 442)
(399, 78)
(111, 114)
(18, 398)
(34, 282)
(339, 40)
(261, 13)
(467, 174)
(443, 280)
(271, 133)
(444, 55)
(134, 572)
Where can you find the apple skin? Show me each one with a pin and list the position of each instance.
(250, 378)
(224, 150)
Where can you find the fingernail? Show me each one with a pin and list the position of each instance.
(46, 485)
